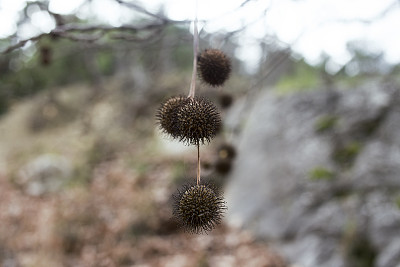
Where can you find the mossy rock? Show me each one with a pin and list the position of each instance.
(321, 173)
(325, 123)
(346, 155)
(397, 201)
(359, 250)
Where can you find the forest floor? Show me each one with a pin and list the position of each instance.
(114, 208)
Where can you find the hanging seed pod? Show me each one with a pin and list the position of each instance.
(226, 151)
(214, 67)
(223, 166)
(199, 121)
(45, 55)
(167, 117)
(198, 208)
(225, 100)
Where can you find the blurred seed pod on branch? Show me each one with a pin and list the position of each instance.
(225, 100)
(223, 166)
(45, 55)
(214, 67)
(226, 151)
(198, 208)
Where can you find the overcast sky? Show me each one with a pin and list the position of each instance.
(311, 27)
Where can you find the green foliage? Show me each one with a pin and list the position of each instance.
(321, 173)
(21, 82)
(369, 127)
(325, 123)
(182, 54)
(183, 57)
(345, 155)
(397, 201)
(303, 78)
(358, 248)
(31, 74)
(4, 102)
(361, 253)
(106, 62)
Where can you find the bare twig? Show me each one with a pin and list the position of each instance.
(387, 10)
(23, 43)
(153, 36)
(91, 33)
(195, 51)
(141, 10)
(256, 20)
(245, 3)
(198, 164)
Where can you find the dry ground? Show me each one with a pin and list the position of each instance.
(116, 209)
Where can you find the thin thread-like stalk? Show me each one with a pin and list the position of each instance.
(195, 52)
(192, 90)
(198, 164)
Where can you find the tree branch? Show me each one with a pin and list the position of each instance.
(379, 16)
(141, 10)
(92, 33)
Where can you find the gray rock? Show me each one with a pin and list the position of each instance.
(325, 198)
(45, 174)
(311, 250)
(390, 256)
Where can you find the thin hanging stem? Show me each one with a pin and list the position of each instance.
(198, 164)
(194, 75)
(195, 52)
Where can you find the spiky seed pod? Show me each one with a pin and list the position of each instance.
(167, 117)
(226, 151)
(214, 67)
(223, 166)
(45, 55)
(199, 121)
(225, 100)
(206, 165)
(198, 208)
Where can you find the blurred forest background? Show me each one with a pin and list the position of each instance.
(86, 177)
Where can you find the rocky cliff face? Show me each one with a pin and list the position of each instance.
(319, 173)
